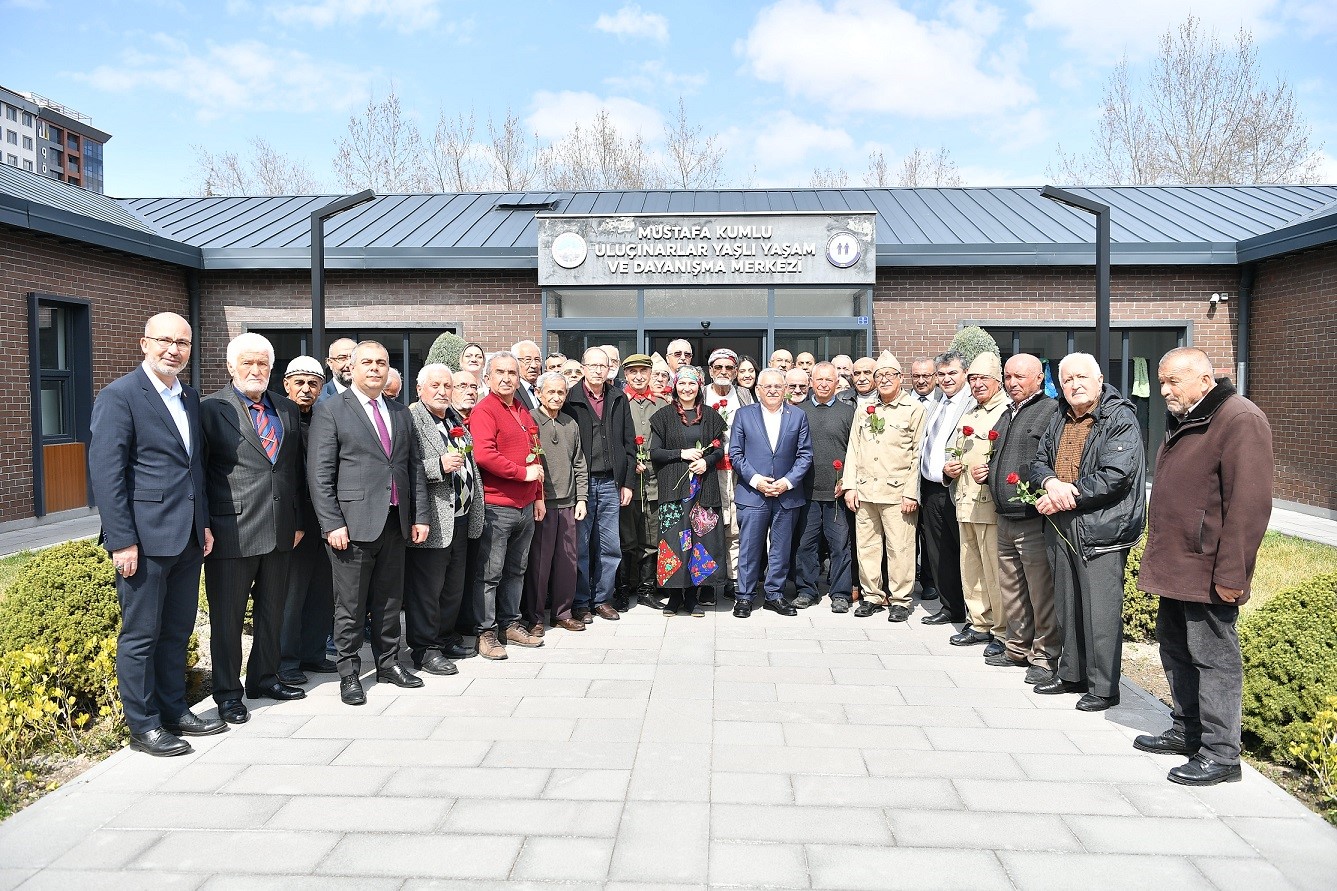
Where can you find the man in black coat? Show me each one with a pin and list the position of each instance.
(253, 472)
(825, 516)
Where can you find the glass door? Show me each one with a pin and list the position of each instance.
(744, 343)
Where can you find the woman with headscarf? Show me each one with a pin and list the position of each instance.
(686, 442)
(472, 358)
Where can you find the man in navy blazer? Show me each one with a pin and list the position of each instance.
(771, 452)
(146, 464)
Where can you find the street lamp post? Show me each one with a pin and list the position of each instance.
(318, 218)
(1102, 215)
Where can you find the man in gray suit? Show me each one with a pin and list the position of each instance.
(145, 464)
(369, 491)
(253, 468)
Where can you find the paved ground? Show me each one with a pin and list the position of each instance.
(821, 751)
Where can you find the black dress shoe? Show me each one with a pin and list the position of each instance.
(968, 637)
(929, 594)
(742, 609)
(350, 691)
(898, 613)
(1171, 742)
(941, 617)
(292, 677)
(457, 651)
(995, 648)
(191, 724)
(867, 608)
(1058, 685)
(1038, 674)
(1203, 771)
(160, 743)
(781, 606)
(1002, 659)
(840, 605)
(277, 690)
(324, 666)
(435, 663)
(233, 711)
(1093, 703)
(399, 676)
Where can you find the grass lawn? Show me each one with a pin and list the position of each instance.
(10, 567)
(1284, 562)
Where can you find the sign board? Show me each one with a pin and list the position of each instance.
(686, 250)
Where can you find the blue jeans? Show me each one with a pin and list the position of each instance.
(829, 520)
(598, 544)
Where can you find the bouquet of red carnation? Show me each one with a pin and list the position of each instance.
(874, 424)
(464, 448)
(1027, 495)
(960, 448)
(535, 450)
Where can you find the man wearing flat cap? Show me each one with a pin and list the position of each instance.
(726, 398)
(639, 520)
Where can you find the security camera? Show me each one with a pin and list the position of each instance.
(1215, 298)
(705, 326)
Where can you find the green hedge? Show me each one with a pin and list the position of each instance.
(1139, 607)
(446, 349)
(1289, 647)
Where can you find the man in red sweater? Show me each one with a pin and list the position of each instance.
(507, 449)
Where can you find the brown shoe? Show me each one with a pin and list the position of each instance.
(584, 616)
(606, 611)
(537, 630)
(571, 624)
(489, 647)
(517, 635)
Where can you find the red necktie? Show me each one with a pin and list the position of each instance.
(268, 438)
(384, 433)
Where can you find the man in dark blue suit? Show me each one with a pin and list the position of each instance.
(146, 464)
(771, 452)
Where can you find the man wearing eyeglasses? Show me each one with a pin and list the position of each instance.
(782, 361)
(726, 399)
(679, 354)
(942, 535)
(340, 362)
(530, 360)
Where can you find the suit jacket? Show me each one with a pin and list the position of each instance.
(350, 474)
(254, 505)
(750, 452)
(149, 491)
(327, 391)
(441, 485)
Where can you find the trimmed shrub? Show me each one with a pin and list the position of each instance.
(1316, 748)
(1290, 665)
(972, 340)
(1139, 607)
(447, 349)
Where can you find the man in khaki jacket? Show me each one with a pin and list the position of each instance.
(975, 514)
(881, 486)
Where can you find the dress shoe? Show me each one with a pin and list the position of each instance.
(995, 648)
(1038, 674)
(434, 663)
(325, 666)
(968, 637)
(840, 605)
(867, 608)
(650, 600)
(929, 594)
(160, 743)
(621, 603)
(604, 611)
(1093, 703)
(898, 613)
(191, 724)
(1171, 742)
(585, 616)
(941, 617)
(292, 677)
(1002, 659)
(782, 607)
(803, 601)
(742, 609)
(1058, 685)
(350, 691)
(520, 636)
(489, 647)
(457, 650)
(1203, 771)
(399, 676)
(570, 625)
(537, 630)
(277, 690)
(233, 711)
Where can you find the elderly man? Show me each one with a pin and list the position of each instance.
(639, 522)
(678, 354)
(1213, 474)
(609, 443)
(530, 361)
(340, 362)
(369, 491)
(844, 366)
(975, 515)
(825, 517)
(781, 361)
(1025, 581)
(771, 452)
(253, 472)
(880, 481)
(146, 466)
(726, 398)
(394, 384)
(308, 608)
(507, 448)
(806, 361)
(923, 381)
(796, 386)
(462, 573)
(862, 378)
(614, 364)
(942, 535)
(550, 579)
(660, 375)
(1091, 467)
(432, 596)
(554, 362)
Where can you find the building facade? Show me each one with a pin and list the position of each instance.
(46, 138)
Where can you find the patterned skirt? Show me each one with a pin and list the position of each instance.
(691, 537)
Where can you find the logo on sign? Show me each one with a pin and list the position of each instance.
(569, 250)
(842, 250)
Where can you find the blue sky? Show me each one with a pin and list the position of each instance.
(789, 85)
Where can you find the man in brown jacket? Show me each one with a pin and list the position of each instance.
(1209, 509)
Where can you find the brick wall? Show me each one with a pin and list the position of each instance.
(124, 291)
(1294, 326)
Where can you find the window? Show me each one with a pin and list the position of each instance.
(27, 165)
(12, 160)
(11, 137)
(11, 112)
(27, 143)
(56, 135)
(27, 119)
(73, 166)
(56, 359)
(92, 150)
(73, 142)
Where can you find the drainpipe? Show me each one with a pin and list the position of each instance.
(193, 295)
(1247, 273)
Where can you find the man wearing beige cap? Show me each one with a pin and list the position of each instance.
(640, 519)
(726, 398)
(881, 485)
(968, 468)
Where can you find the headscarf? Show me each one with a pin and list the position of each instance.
(686, 372)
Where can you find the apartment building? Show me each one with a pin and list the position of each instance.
(49, 139)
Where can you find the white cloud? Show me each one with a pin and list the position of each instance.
(404, 15)
(1327, 167)
(654, 77)
(1103, 32)
(1314, 16)
(872, 55)
(555, 113)
(632, 21)
(789, 141)
(224, 78)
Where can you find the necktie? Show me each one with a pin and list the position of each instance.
(384, 433)
(934, 426)
(268, 438)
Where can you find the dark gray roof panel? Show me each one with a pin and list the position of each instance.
(53, 193)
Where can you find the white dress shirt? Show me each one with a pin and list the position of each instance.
(771, 419)
(934, 454)
(172, 399)
(380, 404)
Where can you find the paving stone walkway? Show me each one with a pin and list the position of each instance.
(821, 751)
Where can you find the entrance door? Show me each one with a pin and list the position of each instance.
(744, 343)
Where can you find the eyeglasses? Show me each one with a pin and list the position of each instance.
(594, 365)
(532, 360)
(719, 366)
(341, 358)
(796, 386)
(863, 374)
(167, 342)
(683, 353)
(466, 386)
(770, 386)
(886, 375)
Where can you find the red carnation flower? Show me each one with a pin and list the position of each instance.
(714, 443)
(726, 464)
(640, 440)
(1013, 479)
(993, 436)
(872, 409)
(838, 464)
(457, 432)
(967, 431)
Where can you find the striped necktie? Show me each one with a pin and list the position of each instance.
(268, 436)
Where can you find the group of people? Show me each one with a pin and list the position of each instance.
(518, 494)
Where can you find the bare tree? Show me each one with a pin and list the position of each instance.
(598, 156)
(261, 170)
(381, 150)
(1202, 114)
(924, 168)
(513, 154)
(829, 178)
(693, 162)
(458, 164)
(878, 174)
